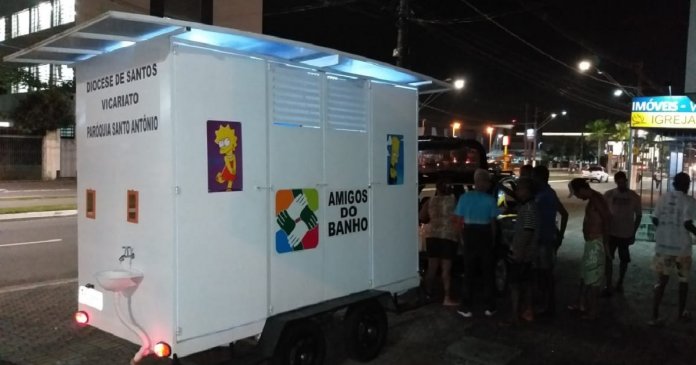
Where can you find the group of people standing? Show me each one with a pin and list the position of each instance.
(610, 224)
(473, 220)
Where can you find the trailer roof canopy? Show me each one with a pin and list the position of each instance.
(115, 30)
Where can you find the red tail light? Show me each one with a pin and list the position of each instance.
(81, 317)
(162, 349)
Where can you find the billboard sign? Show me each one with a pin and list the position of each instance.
(663, 112)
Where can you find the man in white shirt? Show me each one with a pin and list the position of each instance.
(626, 213)
(673, 217)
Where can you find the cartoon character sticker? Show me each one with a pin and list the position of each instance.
(224, 156)
(395, 159)
(298, 225)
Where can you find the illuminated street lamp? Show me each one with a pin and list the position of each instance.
(490, 137)
(618, 92)
(584, 65)
(459, 84)
(455, 126)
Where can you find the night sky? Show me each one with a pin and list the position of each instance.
(641, 43)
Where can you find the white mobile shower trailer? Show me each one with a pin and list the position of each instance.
(233, 184)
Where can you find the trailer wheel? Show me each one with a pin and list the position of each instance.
(365, 330)
(301, 343)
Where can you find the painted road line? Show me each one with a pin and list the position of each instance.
(557, 181)
(33, 215)
(43, 284)
(55, 240)
(33, 190)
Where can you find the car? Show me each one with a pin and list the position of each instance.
(595, 173)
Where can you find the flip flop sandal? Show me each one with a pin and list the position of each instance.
(576, 308)
(685, 316)
(658, 322)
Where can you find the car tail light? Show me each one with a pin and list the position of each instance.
(162, 349)
(81, 317)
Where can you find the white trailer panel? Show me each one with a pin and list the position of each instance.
(251, 177)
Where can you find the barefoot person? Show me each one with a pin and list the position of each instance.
(550, 237)
(626, 214)
(595, 229)
(673, 217)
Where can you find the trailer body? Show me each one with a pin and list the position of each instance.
(247, 182)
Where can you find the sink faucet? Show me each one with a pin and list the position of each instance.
(127, 253)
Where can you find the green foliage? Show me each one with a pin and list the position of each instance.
(622, 131)
(599, 129)
(44, 110)
(38, 111)
(12, 75)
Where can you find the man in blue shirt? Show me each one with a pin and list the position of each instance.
(550, 237)
(477, 212)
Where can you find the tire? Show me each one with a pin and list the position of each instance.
(301, 343)
(365, 330)
(501, 273)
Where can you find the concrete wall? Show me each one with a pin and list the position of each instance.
(50, 156)
(68, 157)
(239, 14)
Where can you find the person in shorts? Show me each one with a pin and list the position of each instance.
(595, 230)
(523, 253)
(626, 213)
(442, 239)
(673, 218)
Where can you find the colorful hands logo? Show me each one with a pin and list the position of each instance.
(297, 222)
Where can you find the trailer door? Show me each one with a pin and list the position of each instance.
(295, 162)
(219, 112)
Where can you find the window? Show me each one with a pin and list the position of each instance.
(21, 87)
(3, 23)
(20, 23)
(43, 73)
(296, 97)
(40, 17)
(91, 200)
(132, 206)
(63, 74)
(346, 104)
(64, 12)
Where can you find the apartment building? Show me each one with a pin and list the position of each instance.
(25, 22)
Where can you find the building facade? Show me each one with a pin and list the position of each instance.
(25, 22)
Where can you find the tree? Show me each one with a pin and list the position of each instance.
(49, 108)
(44, 110)
(600, 130)
(622, 132)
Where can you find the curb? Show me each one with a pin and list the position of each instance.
(34, 215)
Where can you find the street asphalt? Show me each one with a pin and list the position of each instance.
(36, 325)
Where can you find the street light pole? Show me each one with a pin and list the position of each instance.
(455, 126)
(400, 50)
(585, 65)
(490, 138)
